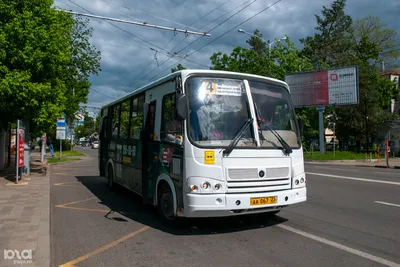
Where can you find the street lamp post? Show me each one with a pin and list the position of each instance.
(269, 47)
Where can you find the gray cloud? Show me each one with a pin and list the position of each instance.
(126, 60)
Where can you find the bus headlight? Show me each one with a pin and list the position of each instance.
(217, 187)
(206, 185)
(299, 181)
(202, 185)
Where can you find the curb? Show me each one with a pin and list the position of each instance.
(43, 244)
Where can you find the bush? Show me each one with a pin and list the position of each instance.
(66, 145)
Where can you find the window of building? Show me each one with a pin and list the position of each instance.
(171, 128)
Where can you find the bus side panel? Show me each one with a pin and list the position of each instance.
(132, 165)
(166, 158)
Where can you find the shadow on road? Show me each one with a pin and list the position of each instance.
(124, 202)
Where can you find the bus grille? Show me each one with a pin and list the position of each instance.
(247, 180)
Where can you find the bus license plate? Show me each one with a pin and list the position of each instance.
(262, 201)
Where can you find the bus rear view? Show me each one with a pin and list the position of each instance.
(243, 150)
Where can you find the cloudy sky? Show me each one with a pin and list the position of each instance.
(128, 61)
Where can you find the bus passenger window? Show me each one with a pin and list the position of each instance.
(115, 121)
(171, 129)
(124, 126)
(137, 117)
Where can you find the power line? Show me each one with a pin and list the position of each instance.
(199, 38)
(258, 13)
(205, 15)
(127, 32)
(133, 9)
(222, 22)
(175, 46)
(219, 17)
(143, 24)
(100, 93)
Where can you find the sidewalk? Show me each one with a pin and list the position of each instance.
(25, 216)
(394, 163)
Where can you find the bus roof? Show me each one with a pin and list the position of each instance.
(187, 72)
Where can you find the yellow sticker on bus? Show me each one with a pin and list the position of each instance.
(209, 157)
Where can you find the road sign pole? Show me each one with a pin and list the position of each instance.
(17, 153)
(321, 130)
(60, 148)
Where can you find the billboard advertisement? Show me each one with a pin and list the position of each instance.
(323, 88)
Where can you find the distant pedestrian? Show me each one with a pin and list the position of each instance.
(49, 143)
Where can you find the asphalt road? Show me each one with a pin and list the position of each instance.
(351, 219)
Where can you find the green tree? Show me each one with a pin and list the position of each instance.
(333, 39)
(338, 42)
(372, 29)
(178, 67)
(45, 62)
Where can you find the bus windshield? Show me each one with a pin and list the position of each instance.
(218, 109)
(276, 112)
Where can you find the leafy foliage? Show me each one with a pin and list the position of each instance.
(337, 42)
(45, 62)
(178, 67)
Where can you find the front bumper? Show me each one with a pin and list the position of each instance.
(220, 205)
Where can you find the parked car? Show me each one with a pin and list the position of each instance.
(95, 144)
(84, 143)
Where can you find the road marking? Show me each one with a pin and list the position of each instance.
(387, 203)
(354, 178)
(78, 208)
(74, 202)
(67, 183)
(103, 248)
(335, 169)
(14, 184)
(340, 246)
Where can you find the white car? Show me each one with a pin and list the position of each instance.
(95, 144)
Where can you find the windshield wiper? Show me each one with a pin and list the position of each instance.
(285, 146)
(237, 137)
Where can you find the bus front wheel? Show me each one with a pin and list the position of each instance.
(165, 205)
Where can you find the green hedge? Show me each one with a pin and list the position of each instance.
(66, 144)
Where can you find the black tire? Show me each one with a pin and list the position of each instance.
(165, 206)
(110, 178)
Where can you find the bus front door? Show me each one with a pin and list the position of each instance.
(147, 148)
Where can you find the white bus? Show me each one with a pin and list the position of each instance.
(204, 143)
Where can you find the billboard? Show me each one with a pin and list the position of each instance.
(323, 88)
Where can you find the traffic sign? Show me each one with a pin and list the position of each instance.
(61, 133)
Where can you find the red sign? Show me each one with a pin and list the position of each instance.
(166, 155)
(20, 151)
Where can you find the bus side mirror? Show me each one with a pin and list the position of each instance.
(301, 125)
(181, 107)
